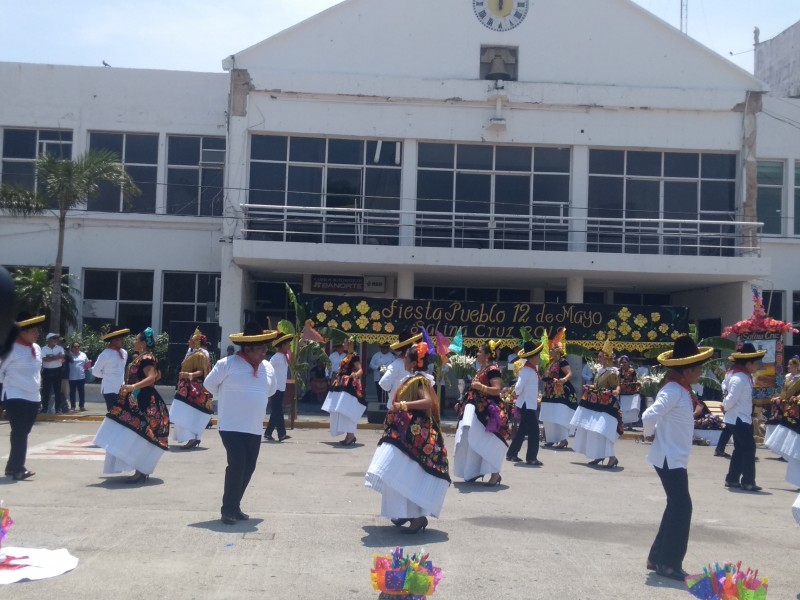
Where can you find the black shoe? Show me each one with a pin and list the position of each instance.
(547, 444)
(491, 483)
(137, 477)
(670, 573)
(722, 454)
(287, 437)
(190, 444)
(416, 525)
(399, 522)
(751, 487)
(513, 459)
(534, 463)
(25, 474)
(734, 484)
(228, 519)
(268, 436)
(242, 516)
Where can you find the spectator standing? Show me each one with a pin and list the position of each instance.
(78, 364)
(336, 357)
(53, 358)
(383, 358)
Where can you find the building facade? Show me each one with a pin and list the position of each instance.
(555, 152)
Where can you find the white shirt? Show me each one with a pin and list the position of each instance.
(395, 373)
(379, 359)
(587, 375)
(110, 367)
(671, 419)
(241, 393)
(336, 358)
(21, 373)
(54, 351)
(527, 388)
(738, 400)
(281, 367)
(76, 370)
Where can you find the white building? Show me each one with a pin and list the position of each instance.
(580, 151)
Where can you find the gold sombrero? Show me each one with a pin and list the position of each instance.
(241, 338)
(406, 342)
(532, 352)
(114, 334)
(754, 355)
(30, 322)
(283, 338)
(684, 353)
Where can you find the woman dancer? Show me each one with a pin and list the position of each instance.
(192, 407)
(136, 430)
(598, 420)
(776, 410)
(483, 433)
(344, 401)
(669, 424)
(558, 399)
(21, 376)
(629, 397)
(409, 468)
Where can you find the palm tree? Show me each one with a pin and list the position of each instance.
(35, 293)
(65, 185)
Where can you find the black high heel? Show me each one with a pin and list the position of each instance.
(491, 483)
(137, 477)
(596, 461)
(190, 444)
(416, 525)
(399, 522)
(612, 463)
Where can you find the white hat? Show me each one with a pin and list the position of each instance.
(50, 336)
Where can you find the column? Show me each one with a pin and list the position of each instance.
(405, 285)
(575, 290)
(408, 196)
(579, 199)
(232, 294)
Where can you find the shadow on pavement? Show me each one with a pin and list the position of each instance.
(466, 487)
(180, 450)
(113, 483)
(218, 526)
(617, 469)
(378, 536)
(656, 580)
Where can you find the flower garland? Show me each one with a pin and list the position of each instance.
(758, 322)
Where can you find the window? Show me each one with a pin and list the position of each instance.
(189, 297)
(487, 196)
(636, 299)
(123, 297)
(769, 202)
(272, 305)
(773, 304)
(139, 153)
(195, 175)
(628, 189)
(471, 294)
(332, 190)
(21, 148)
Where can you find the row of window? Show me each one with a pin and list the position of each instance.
(195, 168)
(772, 204)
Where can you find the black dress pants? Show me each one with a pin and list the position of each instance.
(276, 420)
(51, 380)
(743, 460)
(21, 417)
(529, 425)
(672, 539)
(111, 400)
(724, 438)
(242, 450)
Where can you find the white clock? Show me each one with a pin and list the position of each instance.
(500, 15)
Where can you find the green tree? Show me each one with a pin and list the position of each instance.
(64, 185)
(34, 287)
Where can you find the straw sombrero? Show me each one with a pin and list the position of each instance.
(530, 349)
(114, 334)
(253, 334)
(405, 339)
(283, 338)
(747, 352)
(685, 353)
(27, 323)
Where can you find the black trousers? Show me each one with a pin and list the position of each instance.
(529, 425)
(21, 417)
(743, 460)
(51, 380)
(724, 438)
(111, 400)
(276, 420)
(77, 385)
(242, 450)
(381, 394)
(672, 539)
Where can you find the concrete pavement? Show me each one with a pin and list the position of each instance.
(565, 530)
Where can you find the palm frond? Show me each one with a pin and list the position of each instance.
(21, 202)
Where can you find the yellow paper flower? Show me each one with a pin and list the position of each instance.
(675, 334)
(612, 335)
(362, 307)
(376, 326)
(321, 317)
(600, 335)
(333, 323)
(328, 306)
(346, 325)
(344, 309)
(655, 317)
(624, 314)
(636, 335)
(612, 324)
(362, 322)
(375, 315)
(640, 320)
(624, 328)
(663, 328)
(651, 335)
(389, 328)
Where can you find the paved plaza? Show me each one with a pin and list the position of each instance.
(565, 530)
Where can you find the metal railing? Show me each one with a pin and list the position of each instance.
(682, 237)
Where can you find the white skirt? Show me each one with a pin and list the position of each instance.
(189, 423)
(796, 510)
(345, 411)
(477, 452)
(126, 450)
(406, 490)
(554, 433)
(556, 419)
(793, 472)
(596, 433)
(629, 405)
(785, 442)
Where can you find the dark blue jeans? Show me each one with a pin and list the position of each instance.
(77, 385)
(51, 380)
(528, 425)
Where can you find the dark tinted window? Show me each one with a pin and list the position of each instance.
(183, 150)
(551, 160)
(136, 285)
(100, 285)
(513, 158)
(268, 147)
(346, 152)
(436, 156)
(141, 149)
(19, 143)
(307, 149)
(607, 162)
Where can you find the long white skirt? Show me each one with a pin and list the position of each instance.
(126, 450)
(796, 510)
(189, 423)
(477, 452)
(785, 442)
(629, 405)
(345, 411)
(556, 419)
(406, 490)
(596, 433)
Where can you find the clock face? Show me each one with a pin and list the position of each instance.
(500, 15)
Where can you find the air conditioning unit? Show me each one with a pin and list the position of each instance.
(209, 157)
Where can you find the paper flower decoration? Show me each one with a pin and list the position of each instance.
(410, 577)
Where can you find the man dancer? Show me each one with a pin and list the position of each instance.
(527, 391)
(280, 363)
(396, 372)
(110, 365)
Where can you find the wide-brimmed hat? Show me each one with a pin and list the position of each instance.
(25, 321)
(530, 349)
(405, 339)
(747, 352)
(115, 333)
(253, 334)
(685, 353)
(51, 336)
(283, 338)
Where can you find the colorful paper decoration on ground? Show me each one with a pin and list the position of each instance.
(5, 523)
(409, 577)
(727, 582)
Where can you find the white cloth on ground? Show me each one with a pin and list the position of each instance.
(40, 563)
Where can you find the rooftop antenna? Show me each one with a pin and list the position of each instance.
(684, 16)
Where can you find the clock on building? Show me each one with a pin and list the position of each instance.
(500, 15)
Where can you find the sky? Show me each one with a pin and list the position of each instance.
(195, 35)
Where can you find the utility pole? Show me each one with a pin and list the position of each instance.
(684, 16)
